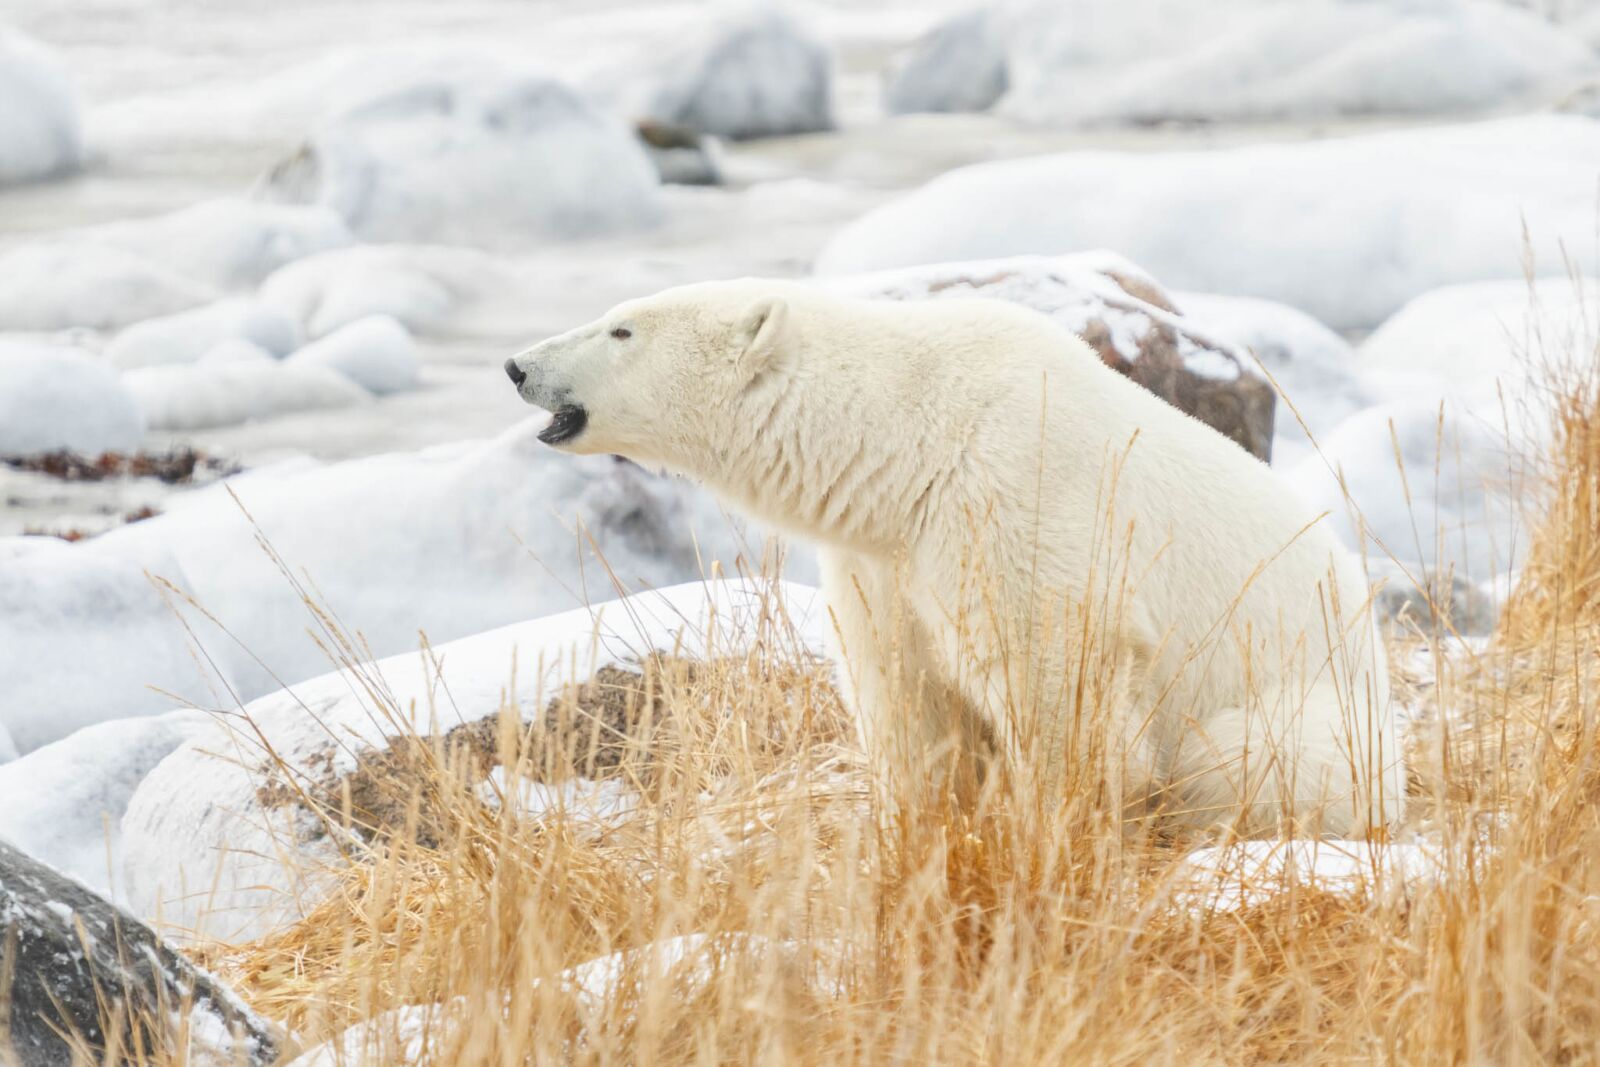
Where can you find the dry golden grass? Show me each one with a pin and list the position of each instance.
(841, 926)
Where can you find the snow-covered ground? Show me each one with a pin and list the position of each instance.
(305, 243)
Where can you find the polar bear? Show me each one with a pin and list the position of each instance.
(999, 517)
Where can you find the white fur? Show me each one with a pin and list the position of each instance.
(999, 518)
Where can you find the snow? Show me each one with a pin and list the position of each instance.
(41, 120)
(1250, 873)
(376, 352)
(451, 541)
(1344, 229)
(1106, 61)
(1313, 368)
(425, 287)
(235, 350)
(198, 819)
(58, 285)
(1458, 370)
(474, 161)
(62, 803)
(55, 397)
(959, 65)
(228, 243)
(183, 397)
(86, 637)
(188, 335)
(575, 798)
(8, 747)
(749, 70)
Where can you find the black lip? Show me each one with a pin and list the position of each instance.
(566, 423)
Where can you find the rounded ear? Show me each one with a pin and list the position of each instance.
(760, 336)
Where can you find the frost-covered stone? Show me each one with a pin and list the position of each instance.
(425, 287)
(59, 285)
(474, 161)
(86, 637)
(62, 803)
(225, 393)
(218, 806)
(1127, 319)
(753, 71)
(1390, 215)
(74, 960)
(227, 243)
(54, 397)
(959, 65)
(1105, 61)
(188, 335)
(41, 121)
(376, 352)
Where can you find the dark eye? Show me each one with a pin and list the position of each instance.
(622, 333)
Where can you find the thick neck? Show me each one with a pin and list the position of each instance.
(830, 462)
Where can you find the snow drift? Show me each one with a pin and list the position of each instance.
(1346, 230)
(55, 397)
(41, 121)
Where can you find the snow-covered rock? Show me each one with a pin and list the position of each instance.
(449, 541)
(1124, 315)
(55, 397)
(227, 243)
(41, 121)
(227, 392)
(1459, 371)
(474, 161)
(959, 65)
(235, 350)
(207, 816)
(1346, 229)
(1106, 61)
(76, 962)
(1313, 368)
(62, 803)
(59, 285)
(86, 637)
(752, 70)
(376, 352)
(188, 335)
(425, 287)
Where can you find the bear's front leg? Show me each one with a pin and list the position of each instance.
(909, 717)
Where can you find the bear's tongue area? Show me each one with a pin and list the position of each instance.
(566, 422)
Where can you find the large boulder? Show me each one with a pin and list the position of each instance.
(959, 65)
(56, 398)
(241, 812)
(41, 121)
(756, 71)
(1128, 320)
(72, 962)
(460, 160)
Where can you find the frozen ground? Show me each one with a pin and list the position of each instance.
(148, 300)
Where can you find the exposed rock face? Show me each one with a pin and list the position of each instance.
(70, 960)
(682, 156)
(1125, 316)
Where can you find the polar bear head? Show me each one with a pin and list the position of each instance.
(655, 379)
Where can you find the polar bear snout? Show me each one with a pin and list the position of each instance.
(515, 373)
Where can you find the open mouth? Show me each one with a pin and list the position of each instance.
(566, 422)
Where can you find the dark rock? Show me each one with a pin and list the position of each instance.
(72, 963)
(1441, 604)
(681, 155)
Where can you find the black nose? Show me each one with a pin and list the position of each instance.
(515, 373)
